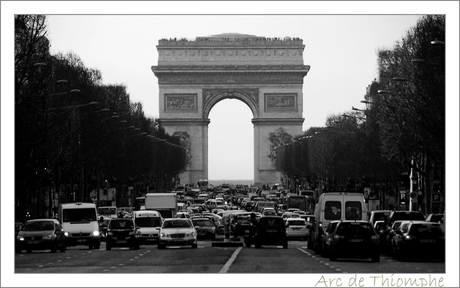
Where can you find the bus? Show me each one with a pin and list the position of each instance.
(303, 203)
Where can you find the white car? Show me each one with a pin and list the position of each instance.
(296, 228)
(177, 232)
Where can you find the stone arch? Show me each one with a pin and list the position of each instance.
(213, 96)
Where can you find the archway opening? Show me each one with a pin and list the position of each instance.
(231, 142)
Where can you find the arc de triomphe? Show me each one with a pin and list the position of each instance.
(265, 73)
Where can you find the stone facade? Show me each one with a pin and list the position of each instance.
(265, 73)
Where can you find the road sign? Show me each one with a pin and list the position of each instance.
(435, 197)
(402, 197)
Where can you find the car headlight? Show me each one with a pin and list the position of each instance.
(109, 233)
(47, 237)
(96, 233)
(67, 234)
(164, 235)
(192, 234)
(20, 238)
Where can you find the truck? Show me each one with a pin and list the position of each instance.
(165, 203)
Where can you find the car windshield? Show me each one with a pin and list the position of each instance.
(266, 222)
(148, 222)
(39, 226)
(350, 229)
(81, 214)
(176, 224)
(121, 224)
(296, 222)
(202, 223)
(425, 230)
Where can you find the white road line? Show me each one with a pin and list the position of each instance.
(230, 261)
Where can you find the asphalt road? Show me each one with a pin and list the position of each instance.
(207, 259)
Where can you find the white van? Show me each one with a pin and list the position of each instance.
(148, 221)
(336, 206)
(79, 221)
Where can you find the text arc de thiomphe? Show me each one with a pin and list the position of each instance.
(265, 74)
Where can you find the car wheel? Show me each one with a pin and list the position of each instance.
(97, 246)
(28, 250)
(18, 251)
(108, 247)
(136, 247)
(285, 245)
(90, 247)
(194, 246)
(63, 248)
(161, 246)
(257, 245)
(213, 237)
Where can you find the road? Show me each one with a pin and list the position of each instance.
(207, 259)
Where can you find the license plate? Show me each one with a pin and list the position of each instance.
(271, 231)
(355, 240)
(32, 242)
(246, 231)
(151, 240)
(176, 240)
(427, 240)
(120, 241)
(296, 228)
(81, 240)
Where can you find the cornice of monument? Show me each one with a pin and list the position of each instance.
(230, 68)
(230, 40)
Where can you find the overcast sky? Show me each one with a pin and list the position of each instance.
(341, 50)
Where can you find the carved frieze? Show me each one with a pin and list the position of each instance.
(280, 102)
(253, 94)
(181, 102)
(202, 78)
(277, 138)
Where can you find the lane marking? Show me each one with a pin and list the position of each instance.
(230, 261)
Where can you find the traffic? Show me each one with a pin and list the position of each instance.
(337, 226)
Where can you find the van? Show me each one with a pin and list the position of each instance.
(336, 206)
(79, 221)
(147, 222)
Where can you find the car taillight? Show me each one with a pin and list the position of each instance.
(375, 237)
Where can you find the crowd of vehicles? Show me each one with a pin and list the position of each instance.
(338, 227)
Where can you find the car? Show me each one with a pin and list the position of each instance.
(147, 222)
(420, 239)
(330, 228)
(271, 230)
(41, 234)
(268, 211)
(385, 238)
(379, 226)
(379, 215)
(286, 215)
(437, 218)
(205, 227)
(353, 239)
(177, 232)
(182, 215)
(122, 232)
(296, 228)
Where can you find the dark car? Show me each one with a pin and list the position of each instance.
(395, 216)
(437, 218)
(324, 250)
(41, 234)
(205, 227)
(353, 239)
(122, 232)
(271, 230)
(419, 239)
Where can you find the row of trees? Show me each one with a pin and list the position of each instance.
(72, 132)
(402, 129)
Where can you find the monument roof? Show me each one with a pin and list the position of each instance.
(232, 35)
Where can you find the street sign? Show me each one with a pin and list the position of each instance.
(402, 197)
(436, 197)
